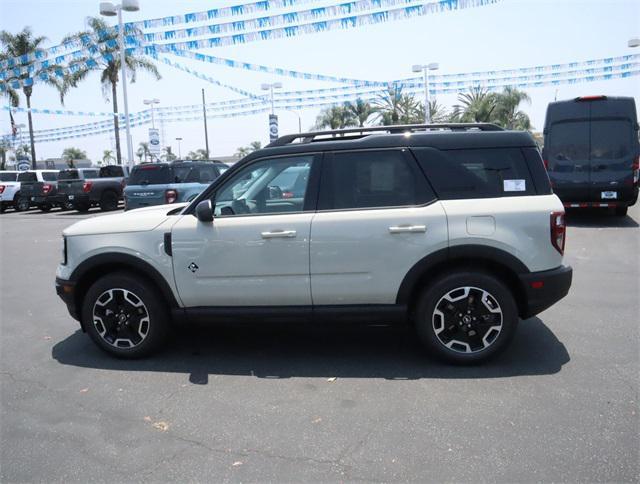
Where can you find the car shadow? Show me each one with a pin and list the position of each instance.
(276, 351)
(598, 217)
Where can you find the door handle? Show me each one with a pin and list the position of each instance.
(400, 229)
(279, 234)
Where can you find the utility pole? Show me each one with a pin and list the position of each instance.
(206, 133)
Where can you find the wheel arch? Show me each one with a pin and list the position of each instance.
(99, 265)
(494, 261)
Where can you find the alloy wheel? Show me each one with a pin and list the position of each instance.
(121, 318)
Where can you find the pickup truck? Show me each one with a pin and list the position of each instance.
(36, 183)
(9, 189)
(88, 187)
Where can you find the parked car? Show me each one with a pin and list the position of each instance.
(178, 181)
(451, 228)
(592, 151)
(9, 189)
(87, 187)
(32, 183)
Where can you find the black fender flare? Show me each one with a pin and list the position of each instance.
(471, 253)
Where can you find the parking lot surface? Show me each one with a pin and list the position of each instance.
(272, 403)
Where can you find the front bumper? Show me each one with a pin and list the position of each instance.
(66, 290)
(543, 289)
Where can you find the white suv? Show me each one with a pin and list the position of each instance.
(451, 228)
(9, 189)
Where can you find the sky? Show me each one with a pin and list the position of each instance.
(508, 34)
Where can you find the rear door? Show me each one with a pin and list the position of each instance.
(567, 156)
(376, 218)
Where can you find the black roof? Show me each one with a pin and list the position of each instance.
(465, 137)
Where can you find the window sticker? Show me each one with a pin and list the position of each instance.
(515, 185)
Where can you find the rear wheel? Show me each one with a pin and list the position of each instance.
(466, 317)
(622, 211)
(125, 315)
(21, 204)
(109, 201)
(45, 207)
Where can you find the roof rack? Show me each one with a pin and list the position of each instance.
(355, 133)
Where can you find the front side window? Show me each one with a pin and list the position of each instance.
(370, 179)
(254, 190)
(90, 173)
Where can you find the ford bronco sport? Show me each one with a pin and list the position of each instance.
(451, 228)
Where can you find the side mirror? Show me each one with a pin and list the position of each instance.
(204, 211)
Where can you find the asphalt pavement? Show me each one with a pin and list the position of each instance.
(269, 403)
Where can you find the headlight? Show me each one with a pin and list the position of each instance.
(64, 251)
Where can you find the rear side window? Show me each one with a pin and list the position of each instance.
(27, 176)
(150, 175)
(90, 173)
(204, 174)
(568, 141)
(68, 175)
(5, 177)
(478, 173)
(610, 139)
(111, 171)
(370, 179)
(49, 176)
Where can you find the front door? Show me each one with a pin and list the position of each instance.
(256, 250)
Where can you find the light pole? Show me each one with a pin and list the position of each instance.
(179, 152)
(299, 119)
(425, 68)
(635, 42)
(109, 9)
(152, 102)
(273, 119)
(270, 87)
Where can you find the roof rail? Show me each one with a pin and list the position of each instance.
(354, 133)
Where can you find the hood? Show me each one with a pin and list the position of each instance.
(140, 220)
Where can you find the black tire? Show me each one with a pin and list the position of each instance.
(109, 201)
(622, 211)
(466, 332)
(109, 305)
(82, 206)
(66, 206)
(3, 207)
(21, 204)
(45, 207)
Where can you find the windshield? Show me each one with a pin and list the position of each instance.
(27, 176)
(50, 176)
(8, 177)
(68, 175)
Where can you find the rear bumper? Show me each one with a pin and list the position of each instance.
(543, 289)
(66, 291)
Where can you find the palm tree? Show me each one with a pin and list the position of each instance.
(245, 150)
(360, 110)
(387, 106)
(437, 112)
(168, 154)
(4, 148)
(476, 106)
(143, 151)
(70, 155)
(335, 117)
(109, 70)
(107, 157)
(24, 43)
(10, 93)
(199, 154)
(507, 113)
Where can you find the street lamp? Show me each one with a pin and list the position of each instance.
(152, 102)
(109, 9)
(635, 42)
(425, 68)
(270, 87)
(179, 152)
(299, 119)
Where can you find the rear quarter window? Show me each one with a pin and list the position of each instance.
(476, 173)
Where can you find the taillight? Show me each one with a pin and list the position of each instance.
(170, 196)
(635, 167)
(1, 188)
(558, 231)
(86, 187)
(46, 188)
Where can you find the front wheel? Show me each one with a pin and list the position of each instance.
(125, 315)
(21, 204)
(466, 317)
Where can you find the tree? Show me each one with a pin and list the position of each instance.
(70, 155)
(507, 113)
(143, 151)
(335, 117)
(168, 154)
(245, 150)
(387, 106)
(437, 112)
(199, 154)
(107, 157)
(476, 106)
(10, 93)
(24, 43)
(109, 70)
(361, 110)
(4, 148)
